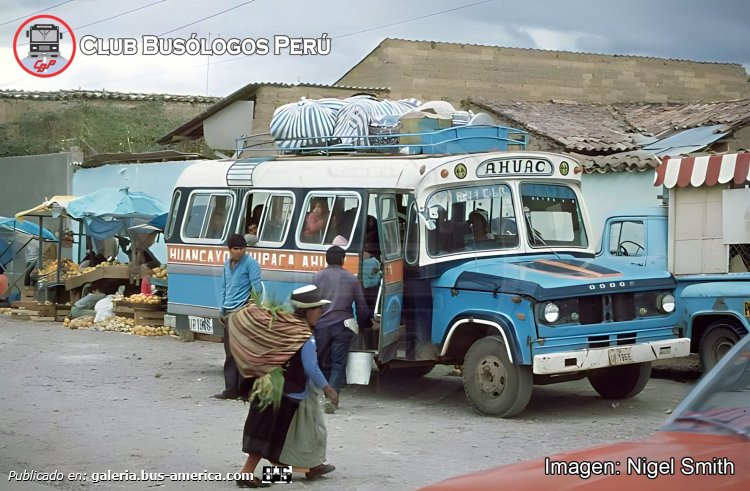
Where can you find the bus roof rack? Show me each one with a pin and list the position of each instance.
(453, 140)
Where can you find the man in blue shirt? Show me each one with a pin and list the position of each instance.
(333, 338)
(241, 277)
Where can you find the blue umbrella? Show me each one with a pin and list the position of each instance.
(25, 227)
(108, 203)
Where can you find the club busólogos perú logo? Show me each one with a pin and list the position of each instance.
(44, 45)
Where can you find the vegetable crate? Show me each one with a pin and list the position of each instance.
(148, 317)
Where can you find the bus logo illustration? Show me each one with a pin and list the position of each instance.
(44, 46)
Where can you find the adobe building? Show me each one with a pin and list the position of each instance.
(454, 72)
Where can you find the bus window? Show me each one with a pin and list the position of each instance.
(390, 227)
(329, 219)
(275, 223)
(553, 216)
(472, 218)
(253, 212)
(207, 216)
(219, 213)
(343, 217)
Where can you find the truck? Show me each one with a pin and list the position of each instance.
(701, 235)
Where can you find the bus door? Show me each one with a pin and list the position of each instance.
(390, 300)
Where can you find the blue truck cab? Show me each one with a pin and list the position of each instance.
(702, 237)
(713, 309)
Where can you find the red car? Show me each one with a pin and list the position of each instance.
(704, 445)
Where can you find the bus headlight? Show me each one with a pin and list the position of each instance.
(665, 303)
(551, 312)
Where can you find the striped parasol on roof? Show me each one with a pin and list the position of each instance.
(306, 123)
(354, 119)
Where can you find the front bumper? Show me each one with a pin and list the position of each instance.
(589, 359)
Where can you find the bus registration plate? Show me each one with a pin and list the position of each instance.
(203, 325)
(620, 356)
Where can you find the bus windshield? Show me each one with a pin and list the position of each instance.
(553, 216)
(470, 219)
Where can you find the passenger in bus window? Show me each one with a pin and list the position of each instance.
(216, 225)
(251, 237)
(315, 221)
(479, 226)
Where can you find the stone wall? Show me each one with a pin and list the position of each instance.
(453, 72)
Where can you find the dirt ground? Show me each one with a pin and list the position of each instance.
(98, 402)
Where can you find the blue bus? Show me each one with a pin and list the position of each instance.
(485, 260)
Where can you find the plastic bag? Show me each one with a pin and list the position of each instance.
(104, 309)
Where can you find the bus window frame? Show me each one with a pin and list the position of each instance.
(172, 217)
(312, 246)
(261, 224)
(228, 220)
(513, 191)
(580, 209)
(412, 228)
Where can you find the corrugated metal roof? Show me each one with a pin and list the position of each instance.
(689, 140)
(128, 157)
(63, 95)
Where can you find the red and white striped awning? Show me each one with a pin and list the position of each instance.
(707, 170)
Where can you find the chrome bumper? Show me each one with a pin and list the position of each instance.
(589, 359)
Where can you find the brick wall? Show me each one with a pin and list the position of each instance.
(454, 72)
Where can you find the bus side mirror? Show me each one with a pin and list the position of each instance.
(61, 36)
(27, 33)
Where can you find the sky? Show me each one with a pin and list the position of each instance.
(700, 30)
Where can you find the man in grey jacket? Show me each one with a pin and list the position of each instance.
(331, 335)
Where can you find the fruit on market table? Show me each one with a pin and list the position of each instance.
(160, 271)
(145, 299)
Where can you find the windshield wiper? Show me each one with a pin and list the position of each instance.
(714, 422)
(536, 236)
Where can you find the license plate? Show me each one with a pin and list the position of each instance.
(620, 356)
(203, 325)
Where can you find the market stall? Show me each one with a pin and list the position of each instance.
(110, 214)
(55, 259)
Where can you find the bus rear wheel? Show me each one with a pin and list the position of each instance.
(493, 384)
(620, 382)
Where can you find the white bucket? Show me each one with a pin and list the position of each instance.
(358, 367)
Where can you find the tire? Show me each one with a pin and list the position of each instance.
(620, 382)
(716, 341)
(493, 384)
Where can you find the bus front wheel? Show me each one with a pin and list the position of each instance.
(493, 384)
(620, 382)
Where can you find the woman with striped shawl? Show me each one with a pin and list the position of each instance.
(275, 353)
